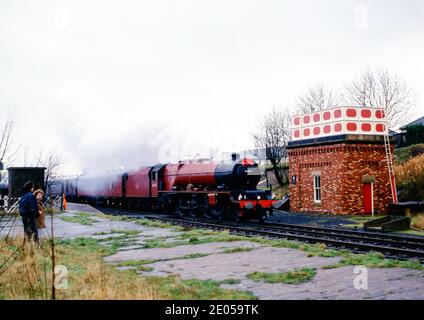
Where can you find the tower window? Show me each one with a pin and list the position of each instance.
(317, 188)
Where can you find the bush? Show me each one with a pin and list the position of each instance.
(404, 154)
(415, 134)
(410, 179)
(417, 222)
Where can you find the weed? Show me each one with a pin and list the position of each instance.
(89, 277)
(291, 277)
(377, 260)
(175, 288)
(238, 249)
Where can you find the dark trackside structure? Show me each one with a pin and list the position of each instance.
(18, 176)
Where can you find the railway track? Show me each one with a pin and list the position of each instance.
(392, 246)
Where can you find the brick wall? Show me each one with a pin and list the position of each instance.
(343, 167)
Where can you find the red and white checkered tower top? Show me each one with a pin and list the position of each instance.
(339, 121)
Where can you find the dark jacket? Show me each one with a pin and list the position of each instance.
(28, 205)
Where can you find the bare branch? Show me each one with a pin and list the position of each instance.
(6, 133)
(273, 135)
(52, 161)
(380, 88)
(317, 98)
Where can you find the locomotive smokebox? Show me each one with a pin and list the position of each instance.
(18, 176)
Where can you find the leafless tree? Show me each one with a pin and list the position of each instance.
(8, 150)
(317, 98)
(380, 88)
(52, 161)
(273, 135)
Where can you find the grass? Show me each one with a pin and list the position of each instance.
(173, 287)
(126, 232)
(81, 218)
(291, 277)
(238, 249)
(119, 238)
(154, 224)
(193, 255)
(118, 242)
(110, 217)
(319, 249)
(417, 222)
(191, 233)
(89, 277)
(160, 242)
(410, 179)
(230, 281)
(280, 191)
(138, 265)
(140, 221)
(402, 155)
(374, 260)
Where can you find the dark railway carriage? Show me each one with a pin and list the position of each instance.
(187, 188)
(60, 187)
(100, 189)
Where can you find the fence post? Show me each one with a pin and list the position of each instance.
(53, 253)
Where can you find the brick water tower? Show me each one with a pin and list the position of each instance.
(340, 162)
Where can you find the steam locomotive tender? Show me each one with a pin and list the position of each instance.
(197, 189)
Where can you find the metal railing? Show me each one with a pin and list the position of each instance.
(11, 205)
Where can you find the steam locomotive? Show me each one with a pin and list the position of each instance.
(190, 188)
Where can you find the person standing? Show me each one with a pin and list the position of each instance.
(28, 210)
(39, 195)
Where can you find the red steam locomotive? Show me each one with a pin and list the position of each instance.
(193, 188)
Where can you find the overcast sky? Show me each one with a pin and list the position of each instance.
(111, 83)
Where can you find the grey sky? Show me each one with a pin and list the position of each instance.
(164, 79)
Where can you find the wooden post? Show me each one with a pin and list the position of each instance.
(53, 255)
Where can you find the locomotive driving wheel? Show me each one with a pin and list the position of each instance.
(193, 212)
(183, 208)
(213, 213)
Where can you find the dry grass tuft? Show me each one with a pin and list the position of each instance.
(30, 276)
(410, 178)
(89, 277)
(418, 221)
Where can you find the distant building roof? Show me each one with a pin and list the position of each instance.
(391, 132)
(413, 123)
